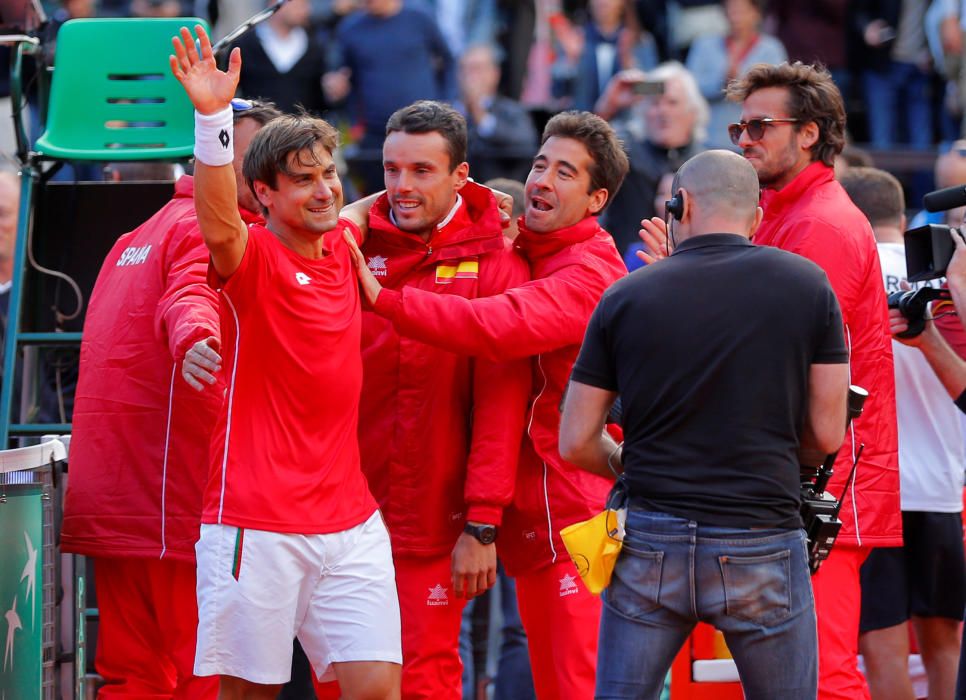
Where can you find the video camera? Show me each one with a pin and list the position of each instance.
(929, 249)
(820, 509)
(913, 305)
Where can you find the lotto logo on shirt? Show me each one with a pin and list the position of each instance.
(135, 255)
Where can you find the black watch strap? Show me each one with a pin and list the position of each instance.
(484, 533)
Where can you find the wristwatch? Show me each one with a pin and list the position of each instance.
(486, 534)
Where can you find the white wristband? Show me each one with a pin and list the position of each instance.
(214, 138)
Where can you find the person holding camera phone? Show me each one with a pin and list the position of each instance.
(752, 383)
(664, 128)
(927, 574)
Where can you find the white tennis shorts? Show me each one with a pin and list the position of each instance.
(258, 590)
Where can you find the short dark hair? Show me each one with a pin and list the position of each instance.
(876, 193)
(274, 144)
(856, 157)
(812, 97)
(427, 116)
(514, 188)
(609, 163)
(261, 111)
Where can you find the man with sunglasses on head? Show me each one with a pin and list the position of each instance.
(792, 127)
(140, 446)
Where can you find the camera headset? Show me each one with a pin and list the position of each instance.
(674, 208)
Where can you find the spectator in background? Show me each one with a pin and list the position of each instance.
(284, 61)
(674, 129)
(895, 68)
(716, 60)
(502, 137)
(689, 19)
(924, 580)
(515, 189)
(663, 193)
(945, 40)
(464, 22)
(392, 56)
(950, 170)
(851, 157)
(813, 31)
(610, 41)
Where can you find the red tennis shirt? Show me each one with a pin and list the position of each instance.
(284, 453)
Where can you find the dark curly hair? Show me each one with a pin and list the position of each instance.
(812, 97)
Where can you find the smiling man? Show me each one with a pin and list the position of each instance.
(291, 541)
(439, 432)
(580, 165)
(792, 127)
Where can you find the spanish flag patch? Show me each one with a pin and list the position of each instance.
(468, 269)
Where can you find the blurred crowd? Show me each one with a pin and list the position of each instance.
(657, 70)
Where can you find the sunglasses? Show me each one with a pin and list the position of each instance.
(755, 127)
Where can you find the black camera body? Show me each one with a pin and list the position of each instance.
(929, 249)
(913, 305)
(821, 523)
(820, 509)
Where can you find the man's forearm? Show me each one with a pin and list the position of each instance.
(601, 456)
(948, 366)
(216, 203)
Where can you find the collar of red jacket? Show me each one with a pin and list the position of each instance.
(775, 202)
(473, 230)
(540, 245)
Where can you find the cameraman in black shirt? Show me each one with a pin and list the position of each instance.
(730, 362)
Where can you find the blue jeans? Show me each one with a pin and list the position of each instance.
(901, 90)
(513, 679)
(753, 585)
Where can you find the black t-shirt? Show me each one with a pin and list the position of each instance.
(710, 352)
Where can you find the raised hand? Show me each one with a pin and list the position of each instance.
(654, 235)
(209, 89)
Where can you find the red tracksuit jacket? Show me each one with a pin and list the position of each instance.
(544, 319)
(440, 433)
(139, 447)
(814, 217)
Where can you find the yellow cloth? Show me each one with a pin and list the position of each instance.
(594, 545)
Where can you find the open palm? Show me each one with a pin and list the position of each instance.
(209, 89)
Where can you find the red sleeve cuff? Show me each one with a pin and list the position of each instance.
(184, 344)
(388, 303)
(484, 512)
